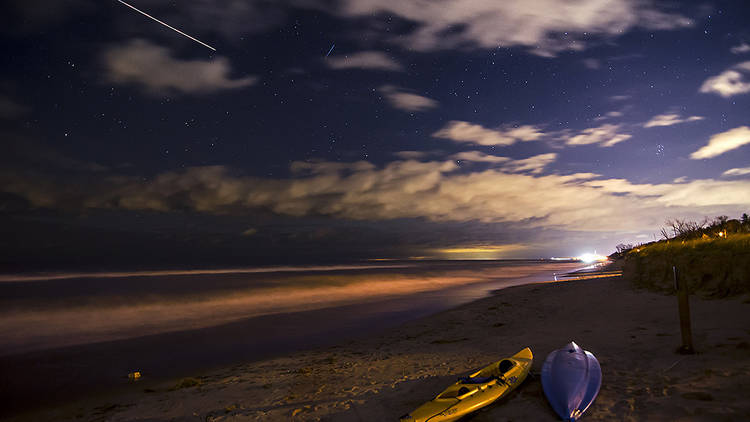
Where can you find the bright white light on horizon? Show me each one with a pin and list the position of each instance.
(592, 257)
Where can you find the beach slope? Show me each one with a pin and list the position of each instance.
(634, 334)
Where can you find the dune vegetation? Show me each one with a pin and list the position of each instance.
(713, 257)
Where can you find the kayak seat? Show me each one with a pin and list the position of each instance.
(504, 366)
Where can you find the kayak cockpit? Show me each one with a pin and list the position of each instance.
(458, 393)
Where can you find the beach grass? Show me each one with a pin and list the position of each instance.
(712, 266)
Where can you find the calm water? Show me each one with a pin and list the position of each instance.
(85, 332)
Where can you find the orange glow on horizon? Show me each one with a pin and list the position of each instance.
(479, 251)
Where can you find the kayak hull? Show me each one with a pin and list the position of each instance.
(571, 379)
(476, 391)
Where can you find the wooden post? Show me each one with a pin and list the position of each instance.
(684, 307)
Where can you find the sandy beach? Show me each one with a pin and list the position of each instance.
(634, 334)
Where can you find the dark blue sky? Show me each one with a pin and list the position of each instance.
(449, 129)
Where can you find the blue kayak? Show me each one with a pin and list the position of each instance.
(571, 378)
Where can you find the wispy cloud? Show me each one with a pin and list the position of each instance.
(723, 142)
(478, 157)
(11, 109)
(404, 100)
(740, 49)
(609, 115)
(411, 155)
(230, 18)
(733, 81)
(375, 60)
(460, 131)
(670, 119)
(605, 135)
(737, 172)
(154, 69)
(592, 63)
(537, 25)
(534, 165)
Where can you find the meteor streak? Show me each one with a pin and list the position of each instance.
(167, 25)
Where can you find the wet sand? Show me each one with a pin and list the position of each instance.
(378, 377)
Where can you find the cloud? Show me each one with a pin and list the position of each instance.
(733, 81)
(605, 135)
(10, 109)
(723, 142)
(406, 101)
(670, 119)
(533, 165)
(364, 60)
(435, 191)
(741, 49)
(411, 155)
(693, 194)
(231, 18)
(545, 27)
(737, 172)
(591, 63)
(209, 19)
(478, 157)
(609, 115)
(460, 131)
(154, 69)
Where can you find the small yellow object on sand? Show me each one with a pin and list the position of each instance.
(133, 376)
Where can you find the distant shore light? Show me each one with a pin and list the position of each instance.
(592, 257)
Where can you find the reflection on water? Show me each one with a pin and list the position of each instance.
(68, 309)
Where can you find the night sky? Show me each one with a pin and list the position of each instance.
(324, 131)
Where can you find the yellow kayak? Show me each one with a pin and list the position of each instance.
(475, 391)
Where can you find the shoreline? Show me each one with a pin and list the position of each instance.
(633, 333)
(84, 370)
(65, 312)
